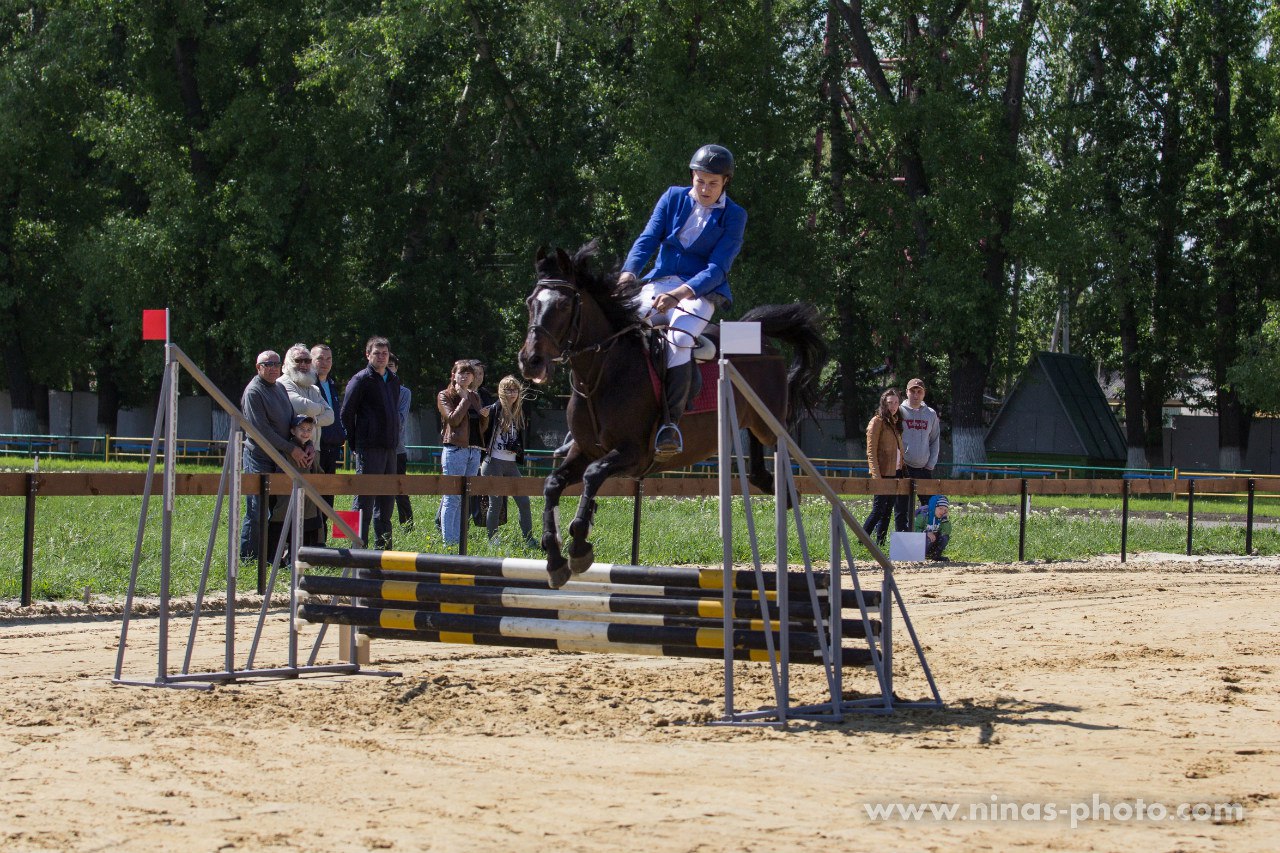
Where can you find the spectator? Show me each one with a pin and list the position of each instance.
(478, 505)
(265, 405)
(302, 433)
(921, 437)
(459, 458)
(299, 381)
(506, 453)
(333, 437)
(404, 507)
(371, 418)
(884, 459)
(934, 522)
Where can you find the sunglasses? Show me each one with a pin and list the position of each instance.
(302, 361)
(268, 364)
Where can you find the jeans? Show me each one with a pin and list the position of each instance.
(249, 524)
(506, 468)
(376, 508)
(456, 462)
(877, 524)
(404, 508)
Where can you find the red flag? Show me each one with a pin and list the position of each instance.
(155, 324)
(351, 517)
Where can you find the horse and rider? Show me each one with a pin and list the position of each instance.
(598, 325)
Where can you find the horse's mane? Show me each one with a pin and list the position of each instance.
(617, 301)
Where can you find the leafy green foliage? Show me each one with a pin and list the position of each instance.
(307, 170)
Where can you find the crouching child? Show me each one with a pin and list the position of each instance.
(302, 430)
(933, 520)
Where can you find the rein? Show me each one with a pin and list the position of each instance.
(567, 351)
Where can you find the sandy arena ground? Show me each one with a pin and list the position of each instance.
(1154, 681)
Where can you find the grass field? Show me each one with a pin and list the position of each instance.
(88, 541)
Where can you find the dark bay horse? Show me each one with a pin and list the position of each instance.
(588, 320)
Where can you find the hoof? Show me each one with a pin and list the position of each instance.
(557, 578)
(558, 573)
(579, 563)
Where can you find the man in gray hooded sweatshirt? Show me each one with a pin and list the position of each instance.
(921, 437)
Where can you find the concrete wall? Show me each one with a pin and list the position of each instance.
(1192, 443)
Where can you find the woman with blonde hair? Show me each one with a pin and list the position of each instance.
(884, 458)
(506, 453)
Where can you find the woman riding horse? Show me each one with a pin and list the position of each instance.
(696, 232)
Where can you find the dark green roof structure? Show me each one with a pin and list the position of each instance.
(1057, 413)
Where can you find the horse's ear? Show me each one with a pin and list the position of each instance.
(565, 262)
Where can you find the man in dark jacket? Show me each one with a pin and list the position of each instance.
(371, 418)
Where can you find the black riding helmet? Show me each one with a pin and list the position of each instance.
(715, 159)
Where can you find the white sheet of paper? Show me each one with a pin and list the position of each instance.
(906, 547)
(740, 338)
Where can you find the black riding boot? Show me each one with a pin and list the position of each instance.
(669, 442)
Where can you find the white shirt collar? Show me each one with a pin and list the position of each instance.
(719, 203)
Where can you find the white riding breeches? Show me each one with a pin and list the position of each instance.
(685, 322)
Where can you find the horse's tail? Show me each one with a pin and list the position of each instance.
(796, 324)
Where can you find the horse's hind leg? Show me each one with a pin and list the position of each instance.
(559, 480)
(581, 552)
(757, 474)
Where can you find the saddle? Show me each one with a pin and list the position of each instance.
(702, 392)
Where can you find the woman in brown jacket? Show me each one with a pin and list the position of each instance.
(884, 458)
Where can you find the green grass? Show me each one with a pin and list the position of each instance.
(89, 541)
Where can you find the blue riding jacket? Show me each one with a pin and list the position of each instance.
(704, 266)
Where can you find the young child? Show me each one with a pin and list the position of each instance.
(934, 522)
(304, 427)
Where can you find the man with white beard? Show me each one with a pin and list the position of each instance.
(299, 380)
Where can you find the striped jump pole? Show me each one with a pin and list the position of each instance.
(546, 629)
(619, 618)
(852, 657)
(527, 569)
(848, 597)
(538, 604)
(581, 601)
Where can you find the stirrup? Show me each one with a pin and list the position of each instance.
(668, 442)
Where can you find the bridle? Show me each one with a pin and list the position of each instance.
(571, 336)
(566, 346)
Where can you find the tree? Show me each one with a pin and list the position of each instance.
(940, 90)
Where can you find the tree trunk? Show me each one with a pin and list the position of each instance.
(42, 408)
(108, 402)
(1233, 419)
(186, 50)
(968, 424)
(22, 396)
(1134, 399)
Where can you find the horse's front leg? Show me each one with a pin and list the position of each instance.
(566, 475)
(581, 552)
